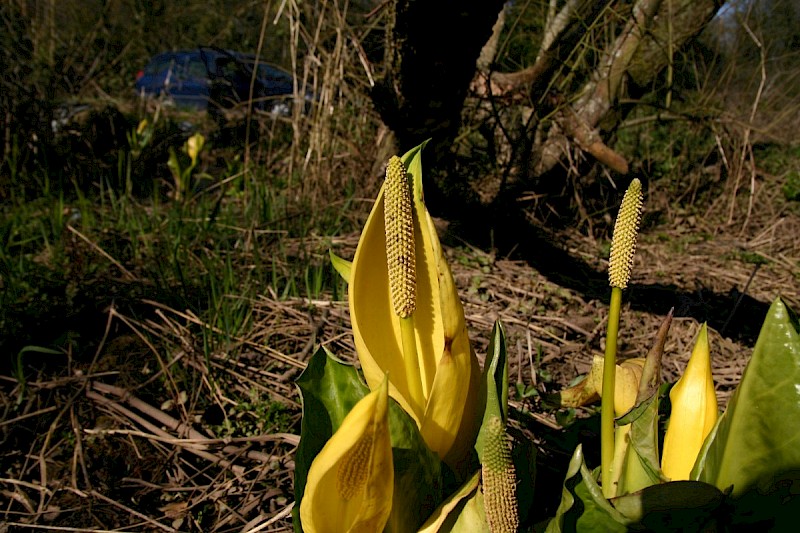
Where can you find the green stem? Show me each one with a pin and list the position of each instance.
(411, 364)
(607, 404)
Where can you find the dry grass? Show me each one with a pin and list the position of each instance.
(157, 432)
(126, 441)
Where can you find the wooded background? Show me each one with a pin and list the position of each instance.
(516, 96)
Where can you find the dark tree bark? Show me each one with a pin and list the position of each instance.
(432, 48)
(592, 56)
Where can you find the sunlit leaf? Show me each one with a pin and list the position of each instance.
(341, 265)
(757, 438)
(641, 467)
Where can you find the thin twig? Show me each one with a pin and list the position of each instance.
(102, 252)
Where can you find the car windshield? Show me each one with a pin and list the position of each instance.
(269, 73)
(157, 66)
(196, 68)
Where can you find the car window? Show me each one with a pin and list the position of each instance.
(272, 74)
(157, 66)
(195, 68)
(230, 69)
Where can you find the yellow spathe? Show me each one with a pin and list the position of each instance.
(351, 481)
(448, 369)
(694, 412)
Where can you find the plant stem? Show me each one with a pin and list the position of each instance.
(411, 364)
(607, 404)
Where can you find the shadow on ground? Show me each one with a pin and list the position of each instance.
(510, 235)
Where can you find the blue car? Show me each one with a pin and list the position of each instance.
(210, 79)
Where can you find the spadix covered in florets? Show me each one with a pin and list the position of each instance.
(407, 318)
(399, 220)
(351, 481)
(626, 228)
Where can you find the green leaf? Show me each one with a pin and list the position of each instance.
(412, 160)
(417, 474)
(757, 438)
(495, 385)
(583, 507)
(641, 467)
(676, 506)
(329, 389)
(341, 265)
(766, 507)
(174, 166)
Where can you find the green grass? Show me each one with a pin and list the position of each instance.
(783, 161)
(212, 253)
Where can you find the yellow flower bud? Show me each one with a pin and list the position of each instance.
(398, 269)
(141, 127)
(194, 145)
(694, 412)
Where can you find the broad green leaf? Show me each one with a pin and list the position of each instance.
(641, 468)
(417, 473)
(329, 389)
(675, 506)
(583, 507)
(757, 438)
(769, 507)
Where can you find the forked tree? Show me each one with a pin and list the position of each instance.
(595, 60)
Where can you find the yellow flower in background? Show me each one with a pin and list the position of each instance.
(351, 481)
(694, 412)
(141, 127)
(626, 388)
(588, 390)
(407, 318)
(194, 145)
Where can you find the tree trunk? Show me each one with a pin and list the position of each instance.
(592, 55)
(431, 52)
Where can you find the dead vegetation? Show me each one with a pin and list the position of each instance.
(153, 435)
(155, 431)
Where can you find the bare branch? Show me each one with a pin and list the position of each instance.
(489, 50)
